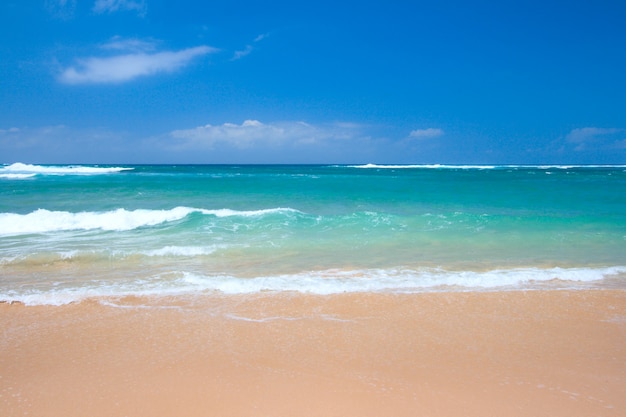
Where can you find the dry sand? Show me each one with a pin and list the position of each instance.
(538, 353)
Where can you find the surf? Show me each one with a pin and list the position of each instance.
(22, 169)
(321, 283)
(46, 221)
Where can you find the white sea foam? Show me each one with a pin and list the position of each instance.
(399, 280)
(571, 166)
(425, 166)
(17, 176)
(385, 166)
(558, 166)
(248, 213)
(460, 166)
(44, 221)
(326, 283)
(93, 255)
(183, 251)
(21, 168)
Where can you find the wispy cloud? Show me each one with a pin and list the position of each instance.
(587, 138)
(277, 142)
(249, 142)
(9, 130)
(117, 43)
(62, 9)
(589, 133)
(125, 67)
(253, 133)
(426, 133)
(110, 6)
(65, 144)
(240, 54)
(249, 48)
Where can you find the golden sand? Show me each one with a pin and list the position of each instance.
(539, 353)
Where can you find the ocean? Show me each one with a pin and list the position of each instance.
(73, 232)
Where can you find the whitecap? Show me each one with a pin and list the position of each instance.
(22, 168)
(424, 166)
(16, 176)
(43, 221)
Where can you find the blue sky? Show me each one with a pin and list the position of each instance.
(147, 81)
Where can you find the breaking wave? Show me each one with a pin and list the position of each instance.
(19, 168)
(326, 282)
(44, 221)
(478, 167)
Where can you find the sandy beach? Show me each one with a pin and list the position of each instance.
(535, 353)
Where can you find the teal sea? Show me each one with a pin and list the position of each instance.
(72, 232)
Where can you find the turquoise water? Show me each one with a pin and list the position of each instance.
(70, 232)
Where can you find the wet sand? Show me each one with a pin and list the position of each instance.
(536, 353)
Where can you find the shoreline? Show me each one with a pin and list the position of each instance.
(518, 353)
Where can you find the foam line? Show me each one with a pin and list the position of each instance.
(21, 168)
(326, 282)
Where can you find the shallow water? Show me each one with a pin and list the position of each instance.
(70, 232)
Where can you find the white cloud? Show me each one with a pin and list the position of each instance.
(586, 134)
(62, 9)
(66, 144)
(109, 6)
(249, 142)
(122, 68)
(596, 137)
(118, 43)
(252, 134)
(17, 143)
(249, 48)
(426, 133)
(240, 54)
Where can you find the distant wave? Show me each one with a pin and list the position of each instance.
(569, 166)
(431, 166)
(448, 166)
(326, 282)
(28, 169)
(44, 221)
